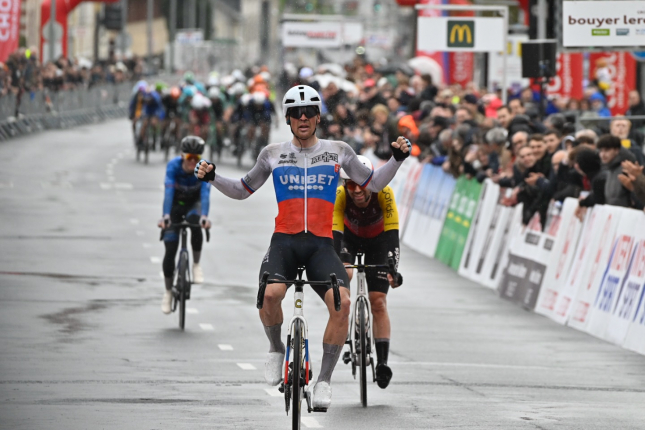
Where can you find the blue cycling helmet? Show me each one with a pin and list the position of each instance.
(189, 91)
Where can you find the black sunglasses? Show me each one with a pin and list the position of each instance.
(309, 111)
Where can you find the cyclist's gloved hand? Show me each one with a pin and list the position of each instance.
(401, 148)
(164, 222)
(204, 222)
(395, 283)
(205, 171)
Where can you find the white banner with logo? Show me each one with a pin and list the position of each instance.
(312, 34)
(564, 231)
(476, 34)
(603, 23)
(514, 77)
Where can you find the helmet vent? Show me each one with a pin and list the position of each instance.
(289, 101)
(302, 96)
(315, 99)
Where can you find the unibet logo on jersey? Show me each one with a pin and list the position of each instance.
(461, 34)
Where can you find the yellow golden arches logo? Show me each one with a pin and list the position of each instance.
(461, 34)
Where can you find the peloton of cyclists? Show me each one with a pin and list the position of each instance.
(305, 173)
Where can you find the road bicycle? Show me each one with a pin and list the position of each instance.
(359, 338)
(181, 287)
(298, 373)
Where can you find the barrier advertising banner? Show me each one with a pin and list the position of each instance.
(564, 231)
(603, 23)
(586, 277)
(405, 199)
(480, 230)
(9, 27)
(525, 269)
(614, 275)
(458, 220)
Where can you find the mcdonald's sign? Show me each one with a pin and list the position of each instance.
(461, 34)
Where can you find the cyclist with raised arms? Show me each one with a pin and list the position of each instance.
(368, 222)
(187, 197)
(305, 176)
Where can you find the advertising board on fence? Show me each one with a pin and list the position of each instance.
(458, 220)
(429, 210)
(407, 190)
(311, 34)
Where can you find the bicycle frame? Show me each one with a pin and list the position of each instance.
(362, 296)
(298, 314)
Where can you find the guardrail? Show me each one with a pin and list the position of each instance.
(43, 109)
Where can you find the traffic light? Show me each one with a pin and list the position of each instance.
(112, 19)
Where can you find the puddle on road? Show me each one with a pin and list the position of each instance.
(69, 318)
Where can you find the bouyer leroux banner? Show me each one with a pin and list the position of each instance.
(617, 23)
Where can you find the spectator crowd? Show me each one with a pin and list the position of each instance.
(571, 152)
(22, 71)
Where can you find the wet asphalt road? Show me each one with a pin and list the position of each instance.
(84, 344)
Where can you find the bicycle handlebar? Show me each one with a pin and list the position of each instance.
(185, 224)
(390, 266)
(264, 281)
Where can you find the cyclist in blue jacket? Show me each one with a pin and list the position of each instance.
(185, 196)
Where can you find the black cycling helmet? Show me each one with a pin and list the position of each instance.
(192, 145)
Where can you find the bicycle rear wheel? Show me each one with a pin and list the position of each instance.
(296, 375)
(362, 317)
(184, 284)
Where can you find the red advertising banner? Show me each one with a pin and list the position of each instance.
(622, 69)
(568, 80)
(460, 70)
(9, 27)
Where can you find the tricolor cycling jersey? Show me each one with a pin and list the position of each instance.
(305, 181)
(378, 216)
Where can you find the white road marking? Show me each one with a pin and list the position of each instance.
(111, 178)
(105, 186)
(191, 311)
(113, 161)
(161, 275)
(476, 365)
(123, 186)
(134, 221)
(246, 366)
(119, 155)
(225, 347)
(147, 245)
(207, 327)
(162, 187)
(109, 172)
(273, 392)
(140, 232)
(155, 260)
(6, 184)
(311, 423)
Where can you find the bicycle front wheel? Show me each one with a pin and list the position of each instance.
(362, 317)
(184, 285)
(297, 373)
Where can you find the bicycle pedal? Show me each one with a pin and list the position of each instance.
(320, 409)
(281, 388)
(347, 358)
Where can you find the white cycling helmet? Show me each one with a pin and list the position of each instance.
(200, 102)
(213, 93)
(301, 95)
(237, 89)
(246, 99)
(363, 159)
(259, 97)
(213, 81)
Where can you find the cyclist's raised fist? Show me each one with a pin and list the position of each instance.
(205, 171)
(401, 148)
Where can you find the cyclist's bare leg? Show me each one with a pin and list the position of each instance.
(271, 316)
(271, 312)
(336, 331)
(381, 326)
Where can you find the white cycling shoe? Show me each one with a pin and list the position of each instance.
(321, 395)
(273, 368)
(166, 302)
(198, 274)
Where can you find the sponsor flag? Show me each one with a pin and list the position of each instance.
(9, 27)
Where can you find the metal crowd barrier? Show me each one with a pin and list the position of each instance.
(44, 109)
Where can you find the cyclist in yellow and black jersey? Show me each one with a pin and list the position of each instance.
(369, 222)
